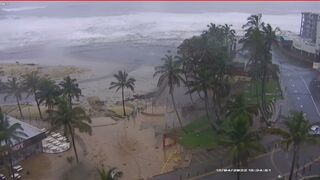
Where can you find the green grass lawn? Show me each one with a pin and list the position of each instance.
(198, 135)
(273, 91)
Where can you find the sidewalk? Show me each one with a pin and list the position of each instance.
(278, 161)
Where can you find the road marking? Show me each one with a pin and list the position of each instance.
(273, 163)
(314, 103)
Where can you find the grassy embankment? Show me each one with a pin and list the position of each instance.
(199, 134)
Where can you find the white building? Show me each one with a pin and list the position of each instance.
(318, 37)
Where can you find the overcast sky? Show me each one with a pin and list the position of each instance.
(175, 7)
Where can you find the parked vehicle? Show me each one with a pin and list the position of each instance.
(16, 176)
(17, 168)
(314, 130)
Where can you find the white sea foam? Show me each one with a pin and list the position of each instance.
(22, 8)
(138, 27)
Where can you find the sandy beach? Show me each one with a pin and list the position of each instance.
(134, 146)
(124, 144)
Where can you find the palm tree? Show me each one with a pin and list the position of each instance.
(185, 63)
(170, 75)
(10, 133)
(31, 85)
(270, 35)
(253, 38)
(70, 88)
(268, 69)
(14, 88)
(192, 52)
(241, 140)
(70, 119)
(47, 93)
(219, 85)
(229, 37)
(258, 40)
(122, 82)
(202, 83)
(253, 22)
(296, 134)
(237, 106)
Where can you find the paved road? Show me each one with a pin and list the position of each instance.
(301, 92)
(299, 88)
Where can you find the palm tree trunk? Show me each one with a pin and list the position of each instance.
(49, 111)
(263, 86)
(19, 106)
(124, 109)
(206, 104)
(263, 96)
(10, 160)
(175, 108)
(295, 151)
(190, 94)
(73, 144)
(70, 100)
(37, 102)
(215, 108)
(207, 110)
(238, 167)
(257, 90)
(298, 157)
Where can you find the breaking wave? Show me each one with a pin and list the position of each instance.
(138, 27)
(22, 8)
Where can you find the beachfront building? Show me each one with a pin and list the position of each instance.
(309, 22)
(318, 38)
(26, 147)
(306, 45)
(310, 33)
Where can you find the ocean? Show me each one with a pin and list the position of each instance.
(113, 36)
(77, 24)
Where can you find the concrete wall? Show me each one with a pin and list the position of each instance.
(296, 56)
(300, 44)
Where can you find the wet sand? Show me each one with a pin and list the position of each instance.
(122, 144)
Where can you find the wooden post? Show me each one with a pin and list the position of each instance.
(164, 141)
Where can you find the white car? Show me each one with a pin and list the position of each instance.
(16, 175)
(2, 177)
(315, 130)
(17, 168)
